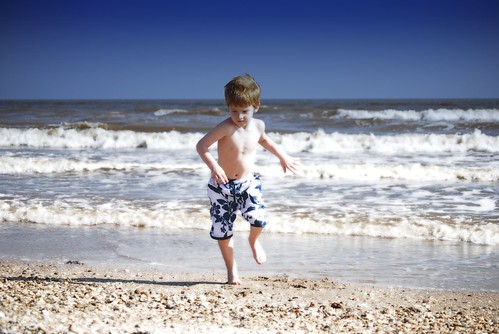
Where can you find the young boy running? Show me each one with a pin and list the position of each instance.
(233, 186)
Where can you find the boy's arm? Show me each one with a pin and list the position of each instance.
(203, 149)
(287, 162)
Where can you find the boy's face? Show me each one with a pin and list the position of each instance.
(241, 115)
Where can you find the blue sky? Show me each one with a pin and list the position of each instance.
(295, 49)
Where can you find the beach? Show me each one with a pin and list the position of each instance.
(74, 297)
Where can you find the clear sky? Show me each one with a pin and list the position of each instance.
(295, 49)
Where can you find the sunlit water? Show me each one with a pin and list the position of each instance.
(389, 192)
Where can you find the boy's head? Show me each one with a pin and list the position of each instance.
(242, 91)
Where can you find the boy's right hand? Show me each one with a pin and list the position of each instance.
(218, 176)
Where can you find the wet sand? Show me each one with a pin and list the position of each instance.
(79, 298)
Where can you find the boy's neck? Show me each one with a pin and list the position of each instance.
(242, 126)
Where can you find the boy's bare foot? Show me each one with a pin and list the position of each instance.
(234, 282)
(233, 277)
(258, 252)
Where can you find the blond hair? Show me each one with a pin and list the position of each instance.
(242, 90)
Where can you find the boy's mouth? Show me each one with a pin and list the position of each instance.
(240, 122)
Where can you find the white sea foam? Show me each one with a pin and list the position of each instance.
(96, 138)
(407, 115)
(43, 165)
(316, 142)
(487, 204)
(111, 213)
(164, 112)
(373, 226)
(431, 115)
(338, 171)
(321, 142)
(395, 171)
(170, 216)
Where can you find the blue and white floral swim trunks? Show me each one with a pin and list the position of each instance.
(244, 195)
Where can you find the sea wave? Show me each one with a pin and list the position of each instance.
(49, 165)
(338, 171)
(400, 171)
(313, 142)
(391, 227)
(97, 138)
(173, 216)
(165, 112)
(321, 142)
(430, 115)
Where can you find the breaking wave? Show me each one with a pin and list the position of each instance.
(169, 216)
(343, 171)
(429, 115)
(315, 142)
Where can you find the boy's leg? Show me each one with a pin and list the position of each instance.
(256, 247)
(227, 249)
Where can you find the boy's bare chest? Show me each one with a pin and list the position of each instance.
(242, 141)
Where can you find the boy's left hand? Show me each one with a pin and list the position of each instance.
(290, 163)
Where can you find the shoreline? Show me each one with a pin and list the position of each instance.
(433, 265)
(76, 298)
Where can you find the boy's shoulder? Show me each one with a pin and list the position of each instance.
(259, 124)
(225, 127)
(227, 123)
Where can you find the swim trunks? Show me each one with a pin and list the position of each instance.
(244, 195)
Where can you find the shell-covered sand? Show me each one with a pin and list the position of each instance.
(77, 298)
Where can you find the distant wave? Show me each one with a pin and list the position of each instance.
(164, 112)
(71, 138)
(44, 165)
(208, 111)
(173, 216)
(359, 171)
(398, 171)
(316, 142)
(321, 142)
(431, 115)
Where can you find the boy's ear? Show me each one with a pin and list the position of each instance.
(256, 108)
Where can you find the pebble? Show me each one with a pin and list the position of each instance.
(78, 305)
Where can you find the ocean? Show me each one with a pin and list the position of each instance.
(389, 192)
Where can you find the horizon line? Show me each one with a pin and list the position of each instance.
(222, 99)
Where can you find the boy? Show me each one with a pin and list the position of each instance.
(233, 186)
